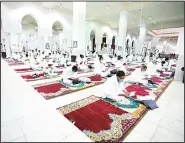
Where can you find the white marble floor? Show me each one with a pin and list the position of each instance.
(27, 116)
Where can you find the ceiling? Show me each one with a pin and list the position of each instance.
(155, 15)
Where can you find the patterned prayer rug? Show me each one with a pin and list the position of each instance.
(40, 76)
(108, 125)
(57, 88)
(15, 63)
(23, 70)
(113, 123)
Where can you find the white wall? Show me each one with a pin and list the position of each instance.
(12, 14)
(45, 18)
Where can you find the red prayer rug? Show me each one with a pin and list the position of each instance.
(56, 88)
(23, 70)
(15, 63)
(108, 125)
(112, 124)
(40, 76)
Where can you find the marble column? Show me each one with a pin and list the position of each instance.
(142, 35)
(122, 32)
(79, 27)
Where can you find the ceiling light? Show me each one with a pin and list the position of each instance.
(132, 21)
(138, 25)
(150, 18)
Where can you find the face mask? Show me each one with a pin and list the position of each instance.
(121, 80)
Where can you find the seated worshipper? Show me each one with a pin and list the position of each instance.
(82, 63)
(129, 58)
(47, 66)
(114, 87)
(19, 56)
(163, 66)
(70, 76)
(34, 64)
(134, 57)
(69, 72)
(151, 69)
(138, 75)
(99, 68)
(26, 59)
(15, 56)
(32, 54)
(119, 64)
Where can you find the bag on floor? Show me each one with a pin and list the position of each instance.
(114, 71)
(150, 104)
(75, 81)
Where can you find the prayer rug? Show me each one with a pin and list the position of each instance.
(112, 124)
(60, 67)
(127, 103)
(40, 76)
(15, 63)
(131, 69)
(57, 88)
(24, 70)
(108, 125)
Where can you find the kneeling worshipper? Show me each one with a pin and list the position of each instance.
(114, 87)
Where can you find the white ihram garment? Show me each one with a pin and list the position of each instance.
(112, 88)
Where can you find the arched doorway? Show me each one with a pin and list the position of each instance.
(57, 35)
(29, 37)
(127, 49)
(92, 42)
(133, 48)
(113, 45)
(104, 43)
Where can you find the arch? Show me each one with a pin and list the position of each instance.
(31, 15)
(57, 25)
(93, 32)
(113, 39)
(29, 28)
(92, 41)
(104, 37)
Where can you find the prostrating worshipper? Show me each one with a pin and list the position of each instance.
(114, 87)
